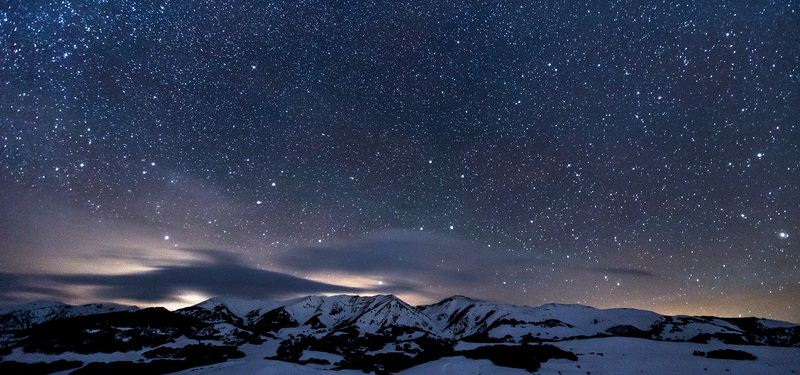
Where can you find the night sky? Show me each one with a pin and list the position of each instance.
(616, 154)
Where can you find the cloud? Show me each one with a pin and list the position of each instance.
(410, 261)
(222, 274)
(434, 266)
(635, 272)
(392, 251)
(15, 288)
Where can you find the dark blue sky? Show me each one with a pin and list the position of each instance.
(628, 154)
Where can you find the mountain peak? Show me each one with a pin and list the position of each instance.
(385, 298)
(211, 303)
(37, 312)
(459, 298)
(38, 304)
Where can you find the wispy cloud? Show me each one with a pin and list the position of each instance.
(222, 274)
(429, 266)
(635, 272)
(409, 254)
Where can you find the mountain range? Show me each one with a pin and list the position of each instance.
(383, 334)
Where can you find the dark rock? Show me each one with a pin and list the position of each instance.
(731, 354)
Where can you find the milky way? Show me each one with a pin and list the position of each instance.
(628, 154)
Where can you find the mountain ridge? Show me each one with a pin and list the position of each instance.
(380, 333)
(33, 313)
(458, 317)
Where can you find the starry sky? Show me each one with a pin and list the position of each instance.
(616, 154)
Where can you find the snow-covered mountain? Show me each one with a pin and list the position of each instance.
(319, 315)
(247, 311)
(37, 312)
(460, 317)
(377, 333)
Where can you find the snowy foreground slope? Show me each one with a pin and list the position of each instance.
(383, 334)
